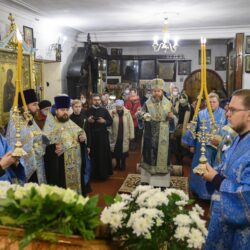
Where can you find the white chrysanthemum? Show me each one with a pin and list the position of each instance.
(57, 190)
(82, 200)
(4, 187)
(106, 215)
(182, 220)
(143, 219)
(152, 198)
(141, 189)
(180, 193)
(198, 209)
(4, 184)
(181, 232)
(195, 239)
(181, 203)
(116, 220)
(126, 198)
(118, 206)
(28, 186)
(114, 215)
(141, 227)
(19, 192)
(196, 219)
(70, 196)
(44, 190)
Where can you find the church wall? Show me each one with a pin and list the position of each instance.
(190, 52)
(46, 33)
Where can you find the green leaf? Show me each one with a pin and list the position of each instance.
(7, 220)
(109, 200)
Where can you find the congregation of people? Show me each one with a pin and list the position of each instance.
(69, 142)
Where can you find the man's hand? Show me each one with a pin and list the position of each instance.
(192, 149)
(82, 138)
(215, 140)
(170, 115)
(88, 150)
(58, 150)
(90, 119)
(8, 160)
(210, 173)
(101, 120)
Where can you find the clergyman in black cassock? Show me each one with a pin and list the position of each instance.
(64, 165)
(98, 140)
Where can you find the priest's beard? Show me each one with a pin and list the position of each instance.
(63, 118)
(157, 98)
(33, 113)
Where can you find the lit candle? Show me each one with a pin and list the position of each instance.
(197, 108)
(19, 70)
(205, 82)
(19, 65)
(19, 56)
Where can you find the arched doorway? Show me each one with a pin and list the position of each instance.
(192, 84)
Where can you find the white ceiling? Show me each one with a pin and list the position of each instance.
(123, 20)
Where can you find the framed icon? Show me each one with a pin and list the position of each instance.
(28, 36)
(184, 67)
(167, 70)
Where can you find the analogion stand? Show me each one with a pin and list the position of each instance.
(154, 179)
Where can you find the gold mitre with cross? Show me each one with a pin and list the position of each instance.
(157, 83)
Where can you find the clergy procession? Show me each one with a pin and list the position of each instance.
(105, 150)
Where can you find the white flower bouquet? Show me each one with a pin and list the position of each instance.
(151, 219)
(43, 209)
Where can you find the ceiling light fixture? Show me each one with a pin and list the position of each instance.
(166, 45)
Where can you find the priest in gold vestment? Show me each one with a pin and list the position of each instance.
(64, 163)
(154, 119)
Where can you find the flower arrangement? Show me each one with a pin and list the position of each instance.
(43, 209)
(150, 218)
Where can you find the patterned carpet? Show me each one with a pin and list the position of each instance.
(134, 180)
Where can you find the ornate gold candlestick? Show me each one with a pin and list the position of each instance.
(18, 151)
(203, 137)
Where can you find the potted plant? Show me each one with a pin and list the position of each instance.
(151, 218)
(45, 211)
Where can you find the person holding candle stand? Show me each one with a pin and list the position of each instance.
(23, 134)
(229, 227)
(215, 119)
(31, 136)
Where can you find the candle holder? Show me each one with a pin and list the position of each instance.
(18, 151)
(203, 137)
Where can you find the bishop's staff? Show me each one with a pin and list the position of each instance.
(202, 136)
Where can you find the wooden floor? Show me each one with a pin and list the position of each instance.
(112, 185)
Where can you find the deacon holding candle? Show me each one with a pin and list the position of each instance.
(213, 115)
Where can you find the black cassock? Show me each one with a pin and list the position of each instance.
(55, 171)
(98, 142)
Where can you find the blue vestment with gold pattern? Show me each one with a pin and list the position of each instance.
(32, 139)
(229, 227)
(12, 175)
(196, 183)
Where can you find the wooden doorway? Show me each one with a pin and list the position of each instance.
(192, 84)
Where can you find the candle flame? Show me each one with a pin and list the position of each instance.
(19, 36)
(203, 40)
